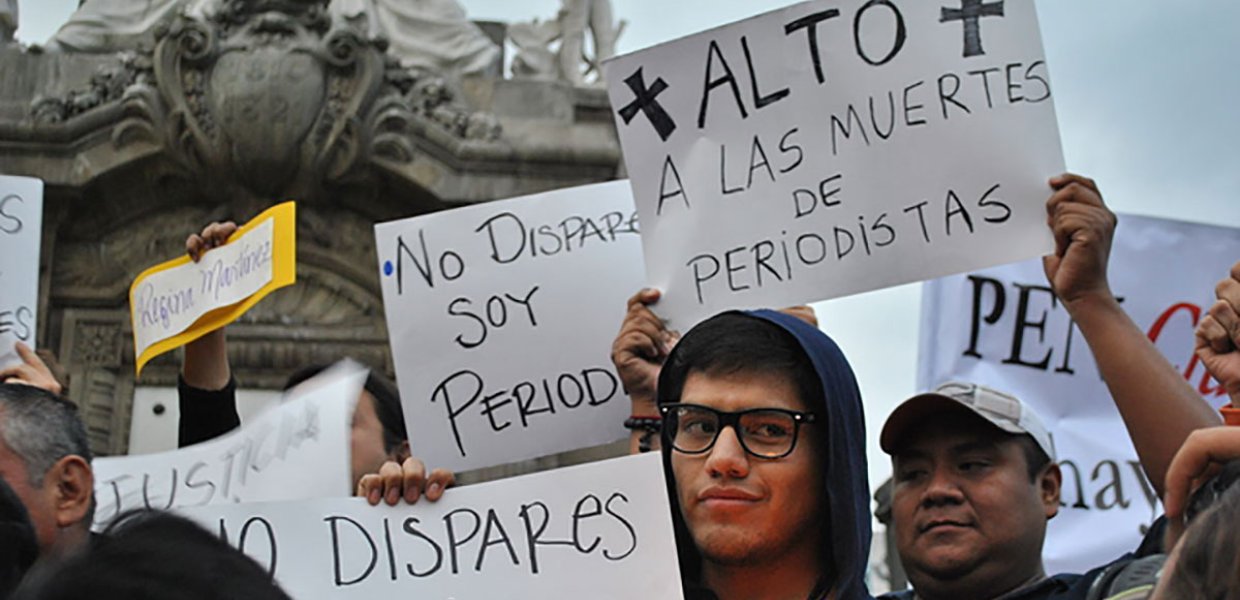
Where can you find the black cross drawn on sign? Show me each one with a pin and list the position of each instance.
(971, 13)
(646, 103)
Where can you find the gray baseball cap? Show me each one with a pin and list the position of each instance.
(1004, 411)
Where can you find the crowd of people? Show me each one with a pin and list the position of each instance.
(759, 421)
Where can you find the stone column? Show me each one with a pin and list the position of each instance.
(93, 346)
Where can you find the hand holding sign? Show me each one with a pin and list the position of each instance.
(407, 480)
(181, 300)
(32, 371)
(641, 347)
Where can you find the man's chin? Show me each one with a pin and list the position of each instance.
(726, 546)
(947, 566)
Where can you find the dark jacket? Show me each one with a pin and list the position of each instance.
(206, 414)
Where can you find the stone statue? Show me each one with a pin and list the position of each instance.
(429, 34)
(535, 58)
(8, 21)
(100, 26)
(433, 34)
(534, 40)
(575, 17)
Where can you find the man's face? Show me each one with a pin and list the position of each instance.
(967, 518)
(740, 508)
(366, 438)
(39, 501)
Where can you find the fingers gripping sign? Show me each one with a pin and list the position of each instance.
(32, 371)
(212, 236)
(641, 346)
(407, 480)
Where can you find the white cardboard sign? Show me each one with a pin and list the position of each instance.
(1002, 327)
(21, 231)
(501, 317)
(830, 148)
(297, 449)
(601, 530)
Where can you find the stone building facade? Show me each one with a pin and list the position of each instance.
(228, 114)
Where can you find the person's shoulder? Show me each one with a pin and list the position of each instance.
(1126, 574)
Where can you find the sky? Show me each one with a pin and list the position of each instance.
(1145, 93)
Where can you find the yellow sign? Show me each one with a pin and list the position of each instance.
(177, 302)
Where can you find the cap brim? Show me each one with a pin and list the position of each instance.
(916, 410)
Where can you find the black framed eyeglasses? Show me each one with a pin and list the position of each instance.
(763, 432)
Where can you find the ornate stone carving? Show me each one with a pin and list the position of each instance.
(272, 98)
(98, 344)
(108, 84)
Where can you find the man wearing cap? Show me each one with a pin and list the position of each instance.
(975, 478)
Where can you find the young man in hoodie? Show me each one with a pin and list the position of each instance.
(763, 448)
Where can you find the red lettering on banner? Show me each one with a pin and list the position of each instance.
(1204, 387)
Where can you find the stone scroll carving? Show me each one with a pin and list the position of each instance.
(271, 98)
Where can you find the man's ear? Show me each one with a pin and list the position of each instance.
(400, 453)
(75, 489)
(1050, 483)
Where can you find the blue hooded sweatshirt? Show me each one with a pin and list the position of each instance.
(847, 494)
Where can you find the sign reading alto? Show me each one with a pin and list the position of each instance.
(179, 301)
(21, 231)
(1004, 327)
(501, 317)
(834, 147)
(297, 449)
(600, 531)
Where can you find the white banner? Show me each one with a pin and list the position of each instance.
(600, 531)
(1004, 328)
(21, 232)
(298, 449)
(501, 317)
(830, 148)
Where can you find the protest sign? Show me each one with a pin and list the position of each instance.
(829, 148)
(21, 231)
(179, 301)
(1004, 328)
(601, 531)
(297, 449)
(501, 317)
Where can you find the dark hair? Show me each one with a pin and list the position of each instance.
(153, 555)
(1208, 565)
(41, 428)
(731, 343)
(387, 403)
